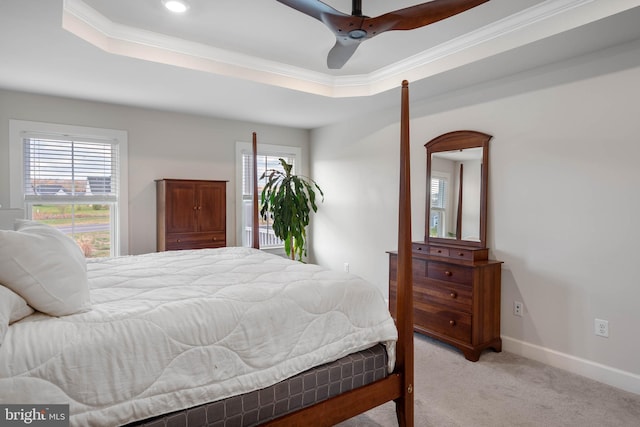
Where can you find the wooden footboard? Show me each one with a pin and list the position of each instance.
(398, 386)
(344, 406)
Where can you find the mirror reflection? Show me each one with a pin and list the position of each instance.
(456, 188)
(457, 176)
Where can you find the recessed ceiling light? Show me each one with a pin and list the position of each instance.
(176, 6)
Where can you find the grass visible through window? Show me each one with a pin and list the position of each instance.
(88, 225)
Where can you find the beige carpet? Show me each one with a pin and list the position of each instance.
(503, 389)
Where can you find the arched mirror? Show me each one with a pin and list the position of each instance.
(457, 175)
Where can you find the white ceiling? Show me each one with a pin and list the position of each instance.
(261, 61)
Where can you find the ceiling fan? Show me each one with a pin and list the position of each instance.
(351, 30)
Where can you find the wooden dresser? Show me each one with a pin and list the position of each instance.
(191, 214)
(456, 293)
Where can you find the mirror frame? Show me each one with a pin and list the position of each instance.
(459, 140)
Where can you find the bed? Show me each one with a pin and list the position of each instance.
(228, 336)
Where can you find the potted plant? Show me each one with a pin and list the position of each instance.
(288, 199)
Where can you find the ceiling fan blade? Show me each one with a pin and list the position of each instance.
(419, 15)
(338, 22)
(314, 8)
(341, 52)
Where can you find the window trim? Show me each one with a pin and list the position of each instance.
(18, 129)
(265, 150)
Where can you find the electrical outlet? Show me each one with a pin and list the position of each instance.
(602, 328)
(518, 308)
(346, 267)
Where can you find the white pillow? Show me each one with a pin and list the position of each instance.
(45, 267)
(12, 308)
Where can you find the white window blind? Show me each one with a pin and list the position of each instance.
(265, 162)
(69, 170)
(438, 211)
(438, 192)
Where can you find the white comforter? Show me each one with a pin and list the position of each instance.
(174, 329)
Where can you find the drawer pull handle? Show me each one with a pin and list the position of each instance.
(439, 251)
(460, 253)
(454, 295)
(448, 273)
(452, 322)
(178, 240)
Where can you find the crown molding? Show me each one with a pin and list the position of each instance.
(537, 22)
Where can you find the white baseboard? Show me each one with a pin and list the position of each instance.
(605, 374)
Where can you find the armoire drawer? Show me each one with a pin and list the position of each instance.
(195, 240)
(452, 323)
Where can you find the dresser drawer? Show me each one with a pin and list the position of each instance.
(452, 252)
(459, 253)
(439, 251)
(452, 323)
(195, 240)
(449, 272)
(420, 247)
(454, 295)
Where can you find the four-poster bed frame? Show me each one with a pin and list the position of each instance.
(158, 342)
(398, 386)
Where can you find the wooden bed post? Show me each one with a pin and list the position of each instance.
(404, 310)
(255, 226)
(399, 385)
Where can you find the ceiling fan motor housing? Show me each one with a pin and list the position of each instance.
(357, 34)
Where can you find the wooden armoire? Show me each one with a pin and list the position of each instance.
(191, 214)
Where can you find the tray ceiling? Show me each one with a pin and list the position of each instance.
(260, 60)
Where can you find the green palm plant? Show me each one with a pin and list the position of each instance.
(288, 200)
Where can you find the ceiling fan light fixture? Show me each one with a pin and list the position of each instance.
(176, 6)
(357, 34)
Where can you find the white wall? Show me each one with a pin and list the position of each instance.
(472, 188)
(161, 145)
(563, 203)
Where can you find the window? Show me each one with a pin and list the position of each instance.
(268, 158)
(439, 200)
(73, 178)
